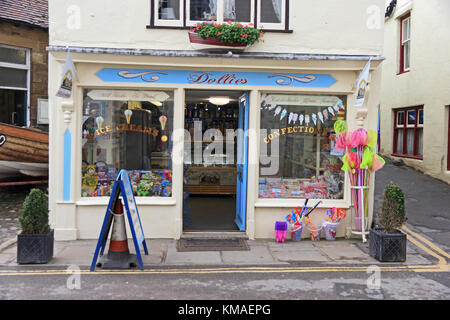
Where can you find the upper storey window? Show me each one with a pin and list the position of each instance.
(267, 14)
(405, 43)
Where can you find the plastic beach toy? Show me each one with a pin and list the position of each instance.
(329, 228)
(296, 232)
(280, 231)
(315, 232)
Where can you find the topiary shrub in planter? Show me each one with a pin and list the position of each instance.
(35, 242)
(388, 243)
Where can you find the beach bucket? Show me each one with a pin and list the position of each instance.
(329, 228)
(296, 232)
(280, 230)
(315, 233)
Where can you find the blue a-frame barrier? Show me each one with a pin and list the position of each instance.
(122, 186)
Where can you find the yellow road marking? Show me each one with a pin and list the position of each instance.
(428, 242)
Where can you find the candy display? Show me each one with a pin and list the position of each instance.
(99, 180)
(308, 164)
(328, 186)
(90, 178)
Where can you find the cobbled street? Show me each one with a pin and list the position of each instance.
(11, 200)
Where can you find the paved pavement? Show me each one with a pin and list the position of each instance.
(427, 207)
(340, 269)
(164, 253)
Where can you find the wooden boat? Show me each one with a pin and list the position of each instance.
(23, 151)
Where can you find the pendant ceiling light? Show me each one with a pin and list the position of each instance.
(220, 101)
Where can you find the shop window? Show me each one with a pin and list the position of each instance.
(408, 132)
(127, 129)
(14, 84)
(297, 157)
(405, 43)
(270, 14)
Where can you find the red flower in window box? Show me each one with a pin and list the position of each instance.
(228, 36)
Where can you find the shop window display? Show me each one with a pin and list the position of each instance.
(215, 173)
(297, 158)
(127, 129)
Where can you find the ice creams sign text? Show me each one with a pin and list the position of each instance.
(106, 130)
(223, 78)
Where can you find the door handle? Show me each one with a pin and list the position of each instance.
(13, 118)
(239, 172)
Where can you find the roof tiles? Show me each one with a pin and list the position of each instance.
(34, 12)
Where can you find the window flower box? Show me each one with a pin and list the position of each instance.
(223, 37)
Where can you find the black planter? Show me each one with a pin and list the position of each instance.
(387, 247)
(34, 248)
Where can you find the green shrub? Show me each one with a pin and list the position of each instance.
(33, 217)
(392, 214)
(229, 32)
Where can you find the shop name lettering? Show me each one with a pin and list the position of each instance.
(127, 127)
(291, 130)
(208, 77)
(251, 309)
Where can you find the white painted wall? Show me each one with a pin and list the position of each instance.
(427, 83)
(323, 27)
(328, 27)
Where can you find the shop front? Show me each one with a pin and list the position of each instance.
(212, 144)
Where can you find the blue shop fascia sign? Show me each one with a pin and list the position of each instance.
(227, 78)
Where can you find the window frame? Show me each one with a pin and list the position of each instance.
(170, 23)
(27, 68)
(146, 200)
(185, 23)
(271, 26)
(220, 18)
(343, 202)
(404, 127)
(18, 66)
(404, 43)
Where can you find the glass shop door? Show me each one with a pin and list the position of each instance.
(241, 166)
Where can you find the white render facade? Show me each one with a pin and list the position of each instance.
(322, 39)
(422, 87)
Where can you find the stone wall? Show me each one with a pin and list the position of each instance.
(35, 39)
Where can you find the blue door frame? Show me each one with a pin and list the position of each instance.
(242, 161)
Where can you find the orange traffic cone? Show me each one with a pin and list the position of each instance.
(118, 256)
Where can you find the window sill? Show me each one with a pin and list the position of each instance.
(407, 156)
(146, 201)
(189, 28)
(403, 72)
